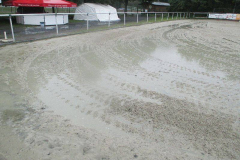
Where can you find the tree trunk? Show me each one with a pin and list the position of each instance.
(53, 10)
(126, 4)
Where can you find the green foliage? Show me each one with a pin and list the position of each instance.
(202, 5)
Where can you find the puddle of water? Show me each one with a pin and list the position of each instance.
(33, 30)
(76, 105)
(50, 27)
(64, 27)
(172, 57)
(169, 56)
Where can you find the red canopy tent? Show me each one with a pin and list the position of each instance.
(40, 3)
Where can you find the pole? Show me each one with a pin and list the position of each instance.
(5, 35)
(124, 19)
(180, 15)
(109, 20)
(162, 16)
(172, 15)
(147, 17)
(155, 17)
(167, 16)
(137, 17)
(56, 23)
(177, 16)
(87, 22)
(10, 19)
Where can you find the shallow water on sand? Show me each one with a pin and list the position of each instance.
(174, 84)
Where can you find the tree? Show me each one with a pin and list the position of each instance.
(201, 5)
(116, 3)
(125, 5)
(125, 2)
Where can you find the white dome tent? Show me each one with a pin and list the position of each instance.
(92, 9)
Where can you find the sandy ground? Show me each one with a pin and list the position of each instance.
(168, 90)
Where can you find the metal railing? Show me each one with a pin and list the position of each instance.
(154, 15)
(127, 18)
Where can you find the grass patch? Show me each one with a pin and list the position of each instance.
(75, 21)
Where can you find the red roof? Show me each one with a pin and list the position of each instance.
(40, 3)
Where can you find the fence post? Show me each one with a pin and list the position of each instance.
(87, 22)
(147, 17)
(167, 16)
(109, 20)
(155, 17)
(10, 19)
(137, 17)
(5, 35)
(177, 16)
(180, 15)
(162, 16)
(56, 23)
(172, 15)
(45, 20)
(124, 19)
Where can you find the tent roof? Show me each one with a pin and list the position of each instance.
(40, 3)
(98, 6)
(92, 9)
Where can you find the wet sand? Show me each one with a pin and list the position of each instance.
(167, 90)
